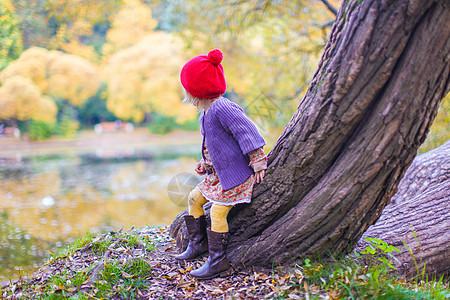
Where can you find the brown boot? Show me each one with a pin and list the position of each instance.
(198, 241)
(217, 262)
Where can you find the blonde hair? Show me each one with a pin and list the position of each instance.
(194, 100)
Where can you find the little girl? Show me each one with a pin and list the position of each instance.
(232, 159)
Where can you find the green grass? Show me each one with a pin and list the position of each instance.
(101, 243)
(73, 247)
(366, 275)
(123, 280)
(349, 279)
(115, 278)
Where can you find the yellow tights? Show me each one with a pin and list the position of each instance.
(218, 213)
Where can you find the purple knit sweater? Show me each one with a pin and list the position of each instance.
(229, 135)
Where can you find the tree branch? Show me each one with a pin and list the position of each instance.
(330, 7)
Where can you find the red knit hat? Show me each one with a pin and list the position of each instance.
(202, 76)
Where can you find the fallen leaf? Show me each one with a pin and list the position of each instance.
(185, 271)
(184, 284)
(126, 275)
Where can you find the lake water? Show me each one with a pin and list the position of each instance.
(48, 201)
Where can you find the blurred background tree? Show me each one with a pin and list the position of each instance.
(35, 24)
(71, 78)
(10, 35)
(21, 99)
(440, 130)
(60, 75)
(74, 26)
(66, 80)
(94, 110)
(32, 64)
(141, 81)
(141, 70)
(130, 25)
(81, 25)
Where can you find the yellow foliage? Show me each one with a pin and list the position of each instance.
(10, 35)
(145, 78)
(133, 22)
(20, 98)
(77, 18)
(90, 10)
(21, 95)
(32, 64)
(8, 5)
(67, 39)
(440, 130)
(56, 74)
(61, 36)
(7, 105)
(82, 27)
(72, 78)
(45, 111)
(81, 50)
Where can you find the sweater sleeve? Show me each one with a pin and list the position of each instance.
(244, 131)
(200, 121)
(258, 160)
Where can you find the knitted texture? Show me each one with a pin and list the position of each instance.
(229, 136)
(203, 77)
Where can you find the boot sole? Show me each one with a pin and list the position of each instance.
(195, 258)
(221, 274)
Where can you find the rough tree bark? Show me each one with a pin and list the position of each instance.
(419, 216)
(338, 162)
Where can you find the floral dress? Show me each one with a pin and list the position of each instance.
(211, 187)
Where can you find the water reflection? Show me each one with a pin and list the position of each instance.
(20, 252)
(47, 201)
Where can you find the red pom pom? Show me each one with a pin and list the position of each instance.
(215, 56)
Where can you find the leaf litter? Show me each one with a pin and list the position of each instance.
(168, 278)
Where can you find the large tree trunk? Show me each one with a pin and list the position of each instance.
(417, 221)
(340, 158)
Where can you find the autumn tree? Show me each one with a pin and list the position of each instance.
(71, 78)
(21, 99)
(34, 22)
(369, 106)
(144, 78)
(74, 26)
(46, 78)
(79, 23)
(130, 25)
(59, 75)
(10, 35)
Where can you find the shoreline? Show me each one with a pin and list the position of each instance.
(88, 141)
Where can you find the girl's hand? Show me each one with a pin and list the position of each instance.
(200, 168)
(259, 175)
